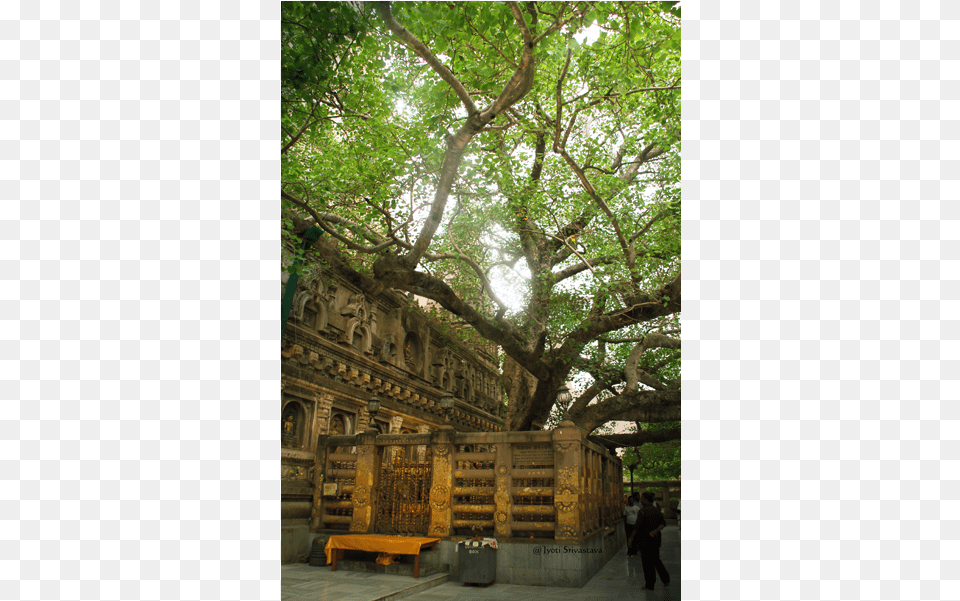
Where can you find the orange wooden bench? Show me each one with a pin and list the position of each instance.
(378, 543)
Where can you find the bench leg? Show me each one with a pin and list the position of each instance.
(336, 554)
(416, 566)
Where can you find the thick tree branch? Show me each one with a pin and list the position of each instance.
(324, 219)
(526, 229)
(519, 84)
(499, 331)
(635, 339)
(644, 307)
(421, 49)
(521, 81)
(583, 266)
(661, 215)
(650, 152)
(633, 371)
(648, 406)
(641, 437)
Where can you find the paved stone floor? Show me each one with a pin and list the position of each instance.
(621, 578)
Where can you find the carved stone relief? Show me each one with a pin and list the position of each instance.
(413, 353)
(338, 425)
(388, 351)
(293, 420)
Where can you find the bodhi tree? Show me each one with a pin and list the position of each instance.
(515, 163)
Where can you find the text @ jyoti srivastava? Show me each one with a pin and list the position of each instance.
(563, 549)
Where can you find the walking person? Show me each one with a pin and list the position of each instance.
(631, 513)
(678, 508)
(649, 524)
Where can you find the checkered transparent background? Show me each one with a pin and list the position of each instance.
(139, 228)
(139, 365)
(820, 196)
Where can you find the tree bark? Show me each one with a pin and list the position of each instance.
(639, 438)
(641, 406)
(520, 386)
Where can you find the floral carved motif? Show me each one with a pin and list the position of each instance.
(568, 532)
(361, 496)
(439, 497)
(565, 500)
(568, 477)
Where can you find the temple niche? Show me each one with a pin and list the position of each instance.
(413, 353)
(338, 425)
(340, 348)
(291, 431)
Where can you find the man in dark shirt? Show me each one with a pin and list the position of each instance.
(649, 524)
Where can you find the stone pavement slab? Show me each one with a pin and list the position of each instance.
(621, 578)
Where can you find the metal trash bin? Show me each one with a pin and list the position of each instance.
(478, 561)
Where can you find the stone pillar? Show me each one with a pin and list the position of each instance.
(395, 423)
(568, 462)
(422, 449)
(322, 405)
(441, 493)
(503, 464)
(363, 420)
(319, 468)
(367, 481)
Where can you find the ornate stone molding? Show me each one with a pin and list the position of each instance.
(295, 352)
(297, 455)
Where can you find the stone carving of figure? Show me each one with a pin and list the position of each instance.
(389, 348)
(337, 427)
(289, 437)
(354, 307)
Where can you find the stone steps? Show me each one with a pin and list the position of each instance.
(396, 569)
(418, 586)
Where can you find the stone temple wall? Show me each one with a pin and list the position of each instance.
(339, 349)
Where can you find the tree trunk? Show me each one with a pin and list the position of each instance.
(520, 385)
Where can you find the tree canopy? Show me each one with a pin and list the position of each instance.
(518, 164)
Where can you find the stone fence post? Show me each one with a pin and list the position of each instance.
(367, 482)
(568, 462)
(319, 467)
(503, 466)
(441, 492)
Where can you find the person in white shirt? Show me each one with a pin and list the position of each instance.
(630, 514)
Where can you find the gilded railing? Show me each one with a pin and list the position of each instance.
(553, 484)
